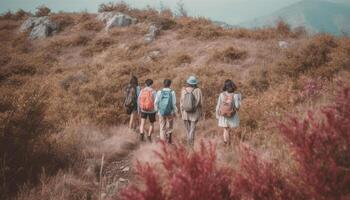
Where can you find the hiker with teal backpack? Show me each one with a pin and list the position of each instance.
(227, 109)
(165, 104)
(132, 92)
(191, 102)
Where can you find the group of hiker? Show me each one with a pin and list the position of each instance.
(147, 103)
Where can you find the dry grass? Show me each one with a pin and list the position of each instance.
(229, 55)
(84, 70)
(322, 56)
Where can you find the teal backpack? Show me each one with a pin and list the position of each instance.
(165, 104)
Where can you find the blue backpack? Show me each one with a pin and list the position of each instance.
(165, 104)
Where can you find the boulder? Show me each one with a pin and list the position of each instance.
(40, 27)
(27, 24)
(153, 32)
(283, 44)
(40, 31)
(105, 16)
(120, 20)
(115, 19)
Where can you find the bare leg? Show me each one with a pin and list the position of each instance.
(142, 125)
(226, 135)
(132, 119)
(150, 130)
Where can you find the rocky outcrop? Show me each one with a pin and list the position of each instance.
(283, 44)
(116, 19)
(152, 34)
(39, 27)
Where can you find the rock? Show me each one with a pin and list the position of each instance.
(152, 34)
(40, 27)
(115, 19)
(126, 169)
(283, 44)
(153, 55)
(119, 20)
(27, 24)
(105, 16)
(40, 31)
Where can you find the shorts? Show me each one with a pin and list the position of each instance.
(130, 110)
(150, 116)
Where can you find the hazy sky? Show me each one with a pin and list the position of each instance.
(231, 11)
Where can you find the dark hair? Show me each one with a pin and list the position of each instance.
(167, 83)
(192, 86)
(149, 82)
(134, 81)
(229, 86)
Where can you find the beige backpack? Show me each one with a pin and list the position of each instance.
(227, 106)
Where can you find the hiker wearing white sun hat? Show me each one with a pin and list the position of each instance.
(191, 102)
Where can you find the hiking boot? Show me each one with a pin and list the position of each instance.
(149, 138)
(142, 137)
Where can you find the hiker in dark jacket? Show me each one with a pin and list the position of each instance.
(165, 104)
(227, 108)
(191, 102)
(132, 92)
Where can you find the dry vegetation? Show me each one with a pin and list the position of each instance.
(52, 88)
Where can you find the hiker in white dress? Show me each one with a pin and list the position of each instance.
(227, 109)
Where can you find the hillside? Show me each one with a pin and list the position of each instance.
(63, 132)
(315, 15)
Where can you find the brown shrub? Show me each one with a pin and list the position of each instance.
(24, 127)
(119, 6)
(163, 22)
(182, 59)
(19, 15)
(259, 80)
(229, 55)
(283, 29)
(92, 25)
(7, 25)
(63, 20)
(72, 41)
(311, 58)
(167, 13)
(199, 28)
(98, 46)
(42, 11)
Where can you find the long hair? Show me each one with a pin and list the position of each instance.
(134, 81)
(229, 86)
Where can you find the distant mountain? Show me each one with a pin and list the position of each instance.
(316, 16)
(344, 2)
(224, 25)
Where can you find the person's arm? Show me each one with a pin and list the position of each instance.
(182, 99)
(217, 110)
(174, 102)
(238, 101)
(156, 101)
(138, 102)
(198, 96)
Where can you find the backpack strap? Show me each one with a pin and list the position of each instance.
(189, 92)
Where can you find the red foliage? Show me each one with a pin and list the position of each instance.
(153, 188)
(189, 176)
(322, 149)
(320, 146)
(261, 179)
